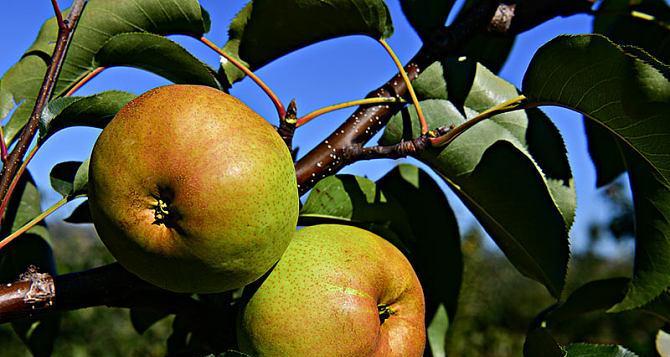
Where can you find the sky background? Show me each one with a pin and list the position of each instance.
(330, 72)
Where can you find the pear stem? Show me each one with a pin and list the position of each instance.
(33, 222)
(80, 83)
(378, 100)
(281, 111)
(507, 106)
(412, 94)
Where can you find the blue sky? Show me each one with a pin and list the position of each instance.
(330, 72)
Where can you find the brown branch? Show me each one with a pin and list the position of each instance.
(287, 125)
(46, 90)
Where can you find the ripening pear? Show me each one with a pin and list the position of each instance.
(193, 191)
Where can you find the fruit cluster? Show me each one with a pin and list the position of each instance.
(194, 192)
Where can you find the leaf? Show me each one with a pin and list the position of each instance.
(474, 87)
(435, 251)
(94, 111)
(100, 21)
(598, 295)
(70, 178)
(494, 175)
(605, 153)
(259, 35)
(437, 332)
(426, 15)
(32, 248)
(663, 343)
(143, 318)
(158, 55)
(539, 343)
(629, 97)
(81, 214)
(583, 349)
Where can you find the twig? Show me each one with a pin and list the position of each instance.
(46, 90)
(59, 15)
(358, 152)
(281, 112)
(17, 177)
(287, 125)
(3, 146)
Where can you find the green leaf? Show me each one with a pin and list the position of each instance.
(628, 96)
(426, 15)
(605, 153)
(659, 307)
(94, 111)
(100, 21)
(81, 214)
(583, 349)
(70, 178)
(494, 175)
(435, 251)
(156, 54)
(23, 207)
(437, 332)
(663, 343)
(539, 343)
(143, 318)
(598, 295)
(267, 29)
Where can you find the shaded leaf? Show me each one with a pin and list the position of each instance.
(143, 318)
(257, 35)
(23, 207)
(94, 111)
(426, 15)
(583, 349)
(70, 178)
(158, 55)
(605, 153)
(81, 214)
(494, 175)
(629, 97)
(100, 21)
(435, 251)
(539, 343)
(598, 295)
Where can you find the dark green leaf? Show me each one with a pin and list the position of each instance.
(23, 207)
(81, 214)
(659, 307)
(583, 349)
(539, 343)
(628, 96)
(158, 55)
(94, 111)
(268, 29)
(426, 15)
(605, 153)
(143, 318)
(100, 21)
(435, 251)
(593, 296)
(494, 175)
(70, 178)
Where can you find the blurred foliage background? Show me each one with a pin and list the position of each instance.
(496, 303)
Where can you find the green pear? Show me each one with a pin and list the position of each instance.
(193, 191)
(337, 291)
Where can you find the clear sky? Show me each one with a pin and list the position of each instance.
(330, 72)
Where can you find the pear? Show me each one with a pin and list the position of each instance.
(337, 291)
(193, 191)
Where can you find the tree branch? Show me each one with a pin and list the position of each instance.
(65, 32)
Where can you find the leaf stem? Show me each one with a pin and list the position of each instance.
(507, 106)
(80, 83)
(3, 146)
(32, 222)
(410, 88)
(378, 100)
(59, 14)
(281, 111)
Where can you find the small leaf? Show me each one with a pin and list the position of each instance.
(94, 111)
(70, 178)
(627, 94)
(143, 318)
(257, 35)
(583, 349)
(81, 214)
(437, 332)
(426, 15)
(539, 343)
(158, 55)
